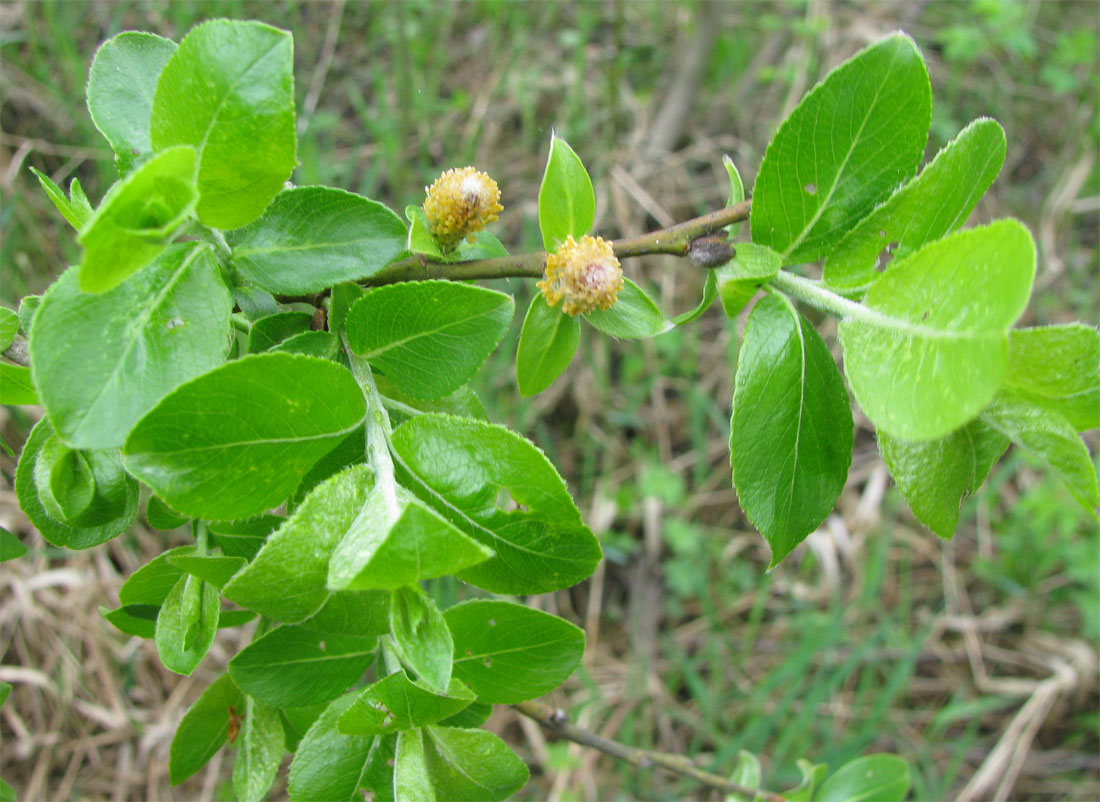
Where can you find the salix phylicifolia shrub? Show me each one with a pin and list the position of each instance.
(285, 370)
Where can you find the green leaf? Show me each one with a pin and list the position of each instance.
(446, 763)
(74, 208)
(204, 728)
(633, 316)
(421, 241)
(259, 751)
(737, 192)
(213, 569)
(740, 278)
(509, 653)
(297, 720)
(746, 772)
(1050, 437)
(288, 412)
(7, 793)
(927, 358)
(152, 583)
(255, 302)
(936, 475)
(235, 618)
(160, 516)
(187, 624)
(462, 467)
(229, 91)
(932, 205)
(463, 402)
(66, 485)
(470, 717)
(567, 203)
(852, 140)
(27, 308)
(292, 666)
(313, 237)
(342, 298)
(11, 547)
(139, 620)
(421, 637)
(378, 774)
(286, 580)
(102, 361)
(399, 540)
(710, 292)
(352, 450)
(546, 346)
(812, 777)
(137, 219)
(16, 386)
(1057, 368)
(9, 327)
(399, 703)
(5, 690)
(882, 778)
(329, 766)
(267, 332)
(428, 337)
(121, 85)
(320, 344)
(791, 443)
(110, 513)
(245, 537)
(361, 613)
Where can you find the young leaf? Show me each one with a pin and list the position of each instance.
(460, 467)
(634, 315)
(421, 241)
(710, 292)
(936, 475)
(421, 637)
(11, 547)
(399, 703)
(16, 386)
(110, 513)
(286, 580)
(228, 91)
(9, 326)
(137, 218)
(813, 774)
(102, 361)
(152, 583)
(139, 620)
(187, 624)
(259, 751)
(455, 764)
(292, 666)
(791, 440)
(329, 766)
(1057, 368)
(428, 337)
(567, 202)
(741, 277)
(121, 85)
(874, 777)
(313, 237)
(160, 516)
(204, 728)
(932, 205)
(288, 412)
(509, 653)
(411, 780)
(212, 569)
(66, 485)
(852, 140)
(746, 772)
(75, 208)
(28, 306)
(737, 192)
(267, 332)
(926, 358)
(320, 344)
(546, 346)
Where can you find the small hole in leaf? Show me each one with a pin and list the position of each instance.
(173, 323)
(492, 622)
(488, 662)
(321, 645)
(882, 233)
(389, 761)
(504, 500)
(811, 189)
(469, 652)
(927, 312)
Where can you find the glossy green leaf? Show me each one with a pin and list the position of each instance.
(737, 192)
(102, 361)
(567, 202)
(320, 344)
(853, 139)
(16, 385)
(509, 653)
(875, 778)
(152, 583)
(267, 332)
(633, 316)
(546, 346)
(313, 237)
(187, 624)
(214, 569)
(64, 479)
(293, 666)
(160, 516)
(740, 278)
(139, 620)
(110, 513)
(243, 538)
(932, 205)
(791, 440)
(396, 541)
(1050, 437)
(428, 337)
(204, 728)
(260, 747)
(926, 358)
(137, 219)
(358, 613)
(228, 91)
(710, 292)
(458, 765)
(1057, 368)
(398, 703)
(329, 766)
(421, 637)
(462, 467)
(935, 476)
(11, 547)
(75, 208)
(288, 411)
(9, 326)
(121, 85)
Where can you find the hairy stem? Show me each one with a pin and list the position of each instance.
(378, 432)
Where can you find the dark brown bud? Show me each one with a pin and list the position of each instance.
(713, 250)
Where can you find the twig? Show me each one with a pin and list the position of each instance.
(557, 722)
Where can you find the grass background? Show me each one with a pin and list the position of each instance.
(974, 658)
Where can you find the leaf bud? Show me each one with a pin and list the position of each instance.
(582, 275)
(711, 251)
(460, 203)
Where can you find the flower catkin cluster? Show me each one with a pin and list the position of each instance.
(582, 275)
(460, 203)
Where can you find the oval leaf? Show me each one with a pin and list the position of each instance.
(456, 764)
(329, 766)
(398, 703)
(421, 637)
(1058, 368)
(881, 778)
(546, 346)
(204, 728)
(633, 316)
(259, 751)
(187, 624)
(567, 203)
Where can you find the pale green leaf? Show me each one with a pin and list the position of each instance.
(467, 765)
(398, 703)
(187, 624)
(546, 346)
(421, 637)
(152, 583)
(874, 778)
(737, 192)
(710, 292)
(259, 750)
(567, 202)
(1057, 368)
(16, 385)
(75, 208)
(214, 569)
(739, 279)
(746, 772)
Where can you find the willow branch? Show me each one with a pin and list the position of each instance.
(674, 240)
(556, 721)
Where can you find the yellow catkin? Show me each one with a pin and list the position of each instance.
(582, 275)
(460, 203)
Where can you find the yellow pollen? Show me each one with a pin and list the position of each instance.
(583, 276)
(460, 203)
